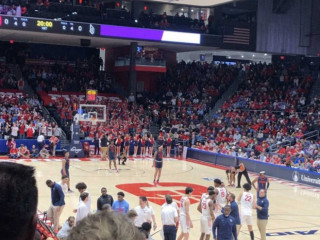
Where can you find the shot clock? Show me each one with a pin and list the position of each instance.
(92, 95)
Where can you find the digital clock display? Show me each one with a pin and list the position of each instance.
(47, 24)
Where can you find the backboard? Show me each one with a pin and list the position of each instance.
(92, 113)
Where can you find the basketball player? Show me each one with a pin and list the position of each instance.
(185, 219)
(247, 203)
(112, 156)
(65, 168)
(206, 207)
(221, 198)
(241, 170)
(157, 163)
(205, 195)
(231, 175)
(263, 182)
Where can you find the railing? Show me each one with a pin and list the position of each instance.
(278, 171)
(311, 134)
(121, 62)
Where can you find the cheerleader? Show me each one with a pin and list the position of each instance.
(126, 145)
(136, 145)
(151, 143)
(147, 146)
(143, 147)
(168, 144)
(161, 140)
(118, 145)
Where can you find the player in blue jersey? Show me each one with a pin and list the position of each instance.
(263, 182)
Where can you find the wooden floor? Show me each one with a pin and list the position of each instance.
(294, 209)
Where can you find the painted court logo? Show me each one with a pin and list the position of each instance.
(157, 193)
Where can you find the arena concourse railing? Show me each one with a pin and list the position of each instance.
(272, 170)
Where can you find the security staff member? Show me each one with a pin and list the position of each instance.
(262, 213)
(225, 226)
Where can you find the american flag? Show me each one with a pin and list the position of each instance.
(237, 35)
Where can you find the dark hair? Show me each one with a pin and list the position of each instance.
(143, 198)
(104, 188)
(211, 192)
(48, 182)
(217, 181)
(84, 195)
(146, 226)
(189, 190)
(168, 199)
(81, 185)
(210, 188)
(121, 194)
(64, 177)
(228, 171)
(18, 202)
(247, 186)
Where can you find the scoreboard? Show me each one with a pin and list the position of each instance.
(49, 25)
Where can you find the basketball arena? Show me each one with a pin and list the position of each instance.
(159, 120)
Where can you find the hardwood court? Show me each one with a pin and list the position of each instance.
(294, 209)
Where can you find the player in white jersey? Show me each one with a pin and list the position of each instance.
(206, 207)
(185, 219)
(221, 198)
(247, 202)
(206, 195)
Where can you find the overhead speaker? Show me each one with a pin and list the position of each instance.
(85, 42)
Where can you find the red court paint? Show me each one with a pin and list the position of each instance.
(157, 193)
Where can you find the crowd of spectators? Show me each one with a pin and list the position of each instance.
(7, 79)
(188, 92)
(177, 22)
(267, 119)
(121, 118)
(72, 77)
(14, 9)
(20, 116)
